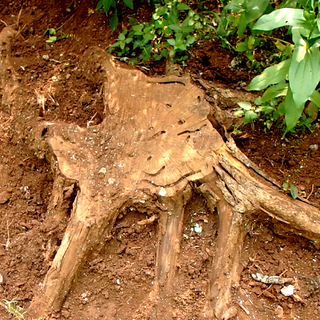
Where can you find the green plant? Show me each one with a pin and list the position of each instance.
(113, 7)
(248, 111)
(235, 17)
(13, 308)
(268, 111)
(297, 77)
(289, 187)
(174, 27)
(246, 11)
(54, 36)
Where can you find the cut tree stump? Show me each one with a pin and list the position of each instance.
(154, 148)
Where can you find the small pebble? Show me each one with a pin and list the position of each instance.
(45, 57)
(287, 291)
(313, 147)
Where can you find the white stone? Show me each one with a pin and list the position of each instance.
(287, 291)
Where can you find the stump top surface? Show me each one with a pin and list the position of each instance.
(155, 130)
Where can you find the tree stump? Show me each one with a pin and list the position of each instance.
(154, 148)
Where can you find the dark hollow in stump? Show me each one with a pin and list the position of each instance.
(154, 148)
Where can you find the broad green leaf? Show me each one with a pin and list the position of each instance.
(164, 53)
(233, 7)
(186, 30)
(106, 5)
(190, 40)
(255, 9)
(318, 23)
(292, 112)
(245, 105)
(138, 29)
(288, 4)
(239, 113)
(172, 42)
(52, 39)
(182, 6)
(270, 75)
(275, 91)
(99, 5)
(198, 25)
(128, 3)
(148, 36)
(304, 71)
(242, 46)
(242, 25)
(114, 21)
(293, 191)
(158, 24)
(172, 52)
(161, 11)
(315, 98)
(251, 42)
(185, 22)
(249, 116)
(174, 16)
(280, 18)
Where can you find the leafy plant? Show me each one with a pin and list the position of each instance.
(112, 6)
(247, 110)
(296, 78)
(289, 187)
(174, 27)
(267, 110)
(246, 12)
(13, 308)
(53, 35)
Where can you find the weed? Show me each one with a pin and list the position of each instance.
(54, 36)
(292, 69)
(13, 308)
(173, 29)
(297, 77)
(289, 187)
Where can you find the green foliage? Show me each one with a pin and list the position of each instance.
(247, 11)
(54, 36)
(290, 68)
(292, 75)
(112, 7)
(173, 29)
(266, 110)
(13, 308)
(289, 187)
(298, 76)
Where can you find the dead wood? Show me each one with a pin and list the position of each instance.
(153, 149)
(155, 140)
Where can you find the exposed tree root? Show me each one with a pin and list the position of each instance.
(155, 147)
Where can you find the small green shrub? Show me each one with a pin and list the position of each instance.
(296, 78)
(173, 29)
(291, 75)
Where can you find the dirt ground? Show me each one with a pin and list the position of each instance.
(118, 278)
